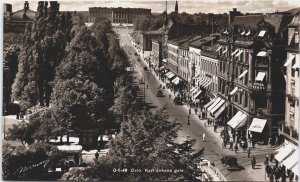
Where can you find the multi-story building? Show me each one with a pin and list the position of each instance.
(288, 154)
(156, 56)
(250, 79)
(204, 67)
(118, 15)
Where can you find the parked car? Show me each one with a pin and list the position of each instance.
(159, 93)
(230, 162)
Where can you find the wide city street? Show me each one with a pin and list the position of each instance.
(213, 150)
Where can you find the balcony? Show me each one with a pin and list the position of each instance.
(292, 97)
(289, 132)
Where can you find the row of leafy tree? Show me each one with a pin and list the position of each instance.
(65, 80)
(154, 22)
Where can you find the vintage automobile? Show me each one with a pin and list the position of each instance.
(230, 162)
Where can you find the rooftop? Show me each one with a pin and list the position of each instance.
(199, 42)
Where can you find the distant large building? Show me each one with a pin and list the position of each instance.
(16, 21)
(118, 15)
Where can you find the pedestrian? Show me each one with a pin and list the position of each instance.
(225, 143)
(267, 159)
(97, 155)
(271, 157)
(254, 159)
(196, 110)
(169, 96)
(249, 152)
(267, 170)
(236, 148)
(205, 124)
(203, 136)
(215, 128)
(253, 143)
(271, 177)
(252, 164)
(147, 86)
(231, 145)
(190, 112)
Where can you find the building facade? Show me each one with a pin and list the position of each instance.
(290, 129)
(118, 15)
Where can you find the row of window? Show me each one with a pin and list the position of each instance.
(239, 97)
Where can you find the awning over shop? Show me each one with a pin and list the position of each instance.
(296, 65)
(217, 106)
(209, 103)
(295, 169)
(214, 104)
(176, 80)
(248, 33)
(243, 32)
(262, 54)
(243, 74)
(170, 75)
(284, 152)
(164, 60)
(262, 33)
(225, 50)
(202, 81)
(161, 68)
(238, 120)
(207, 84)
(195, 91)
(217, 114)
(240, 52)
(292, 160)
(289, 60)
(191, 91)
(257, 125)
(196, 76)
(197, 94)
(234, 52)
(233, 91)
(260, 76)
(219, 49)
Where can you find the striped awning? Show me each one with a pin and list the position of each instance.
(243, 74)
(209, 103)
(217, 106)
(214, 104)
(240, 52)
(233, 91)
(234, 52)
(289, 60)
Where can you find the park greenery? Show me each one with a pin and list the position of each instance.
(67, 78)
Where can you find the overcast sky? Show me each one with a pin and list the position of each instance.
(196, 6)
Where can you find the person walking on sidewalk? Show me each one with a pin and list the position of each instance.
(236, 148)
(249, 152)
(203, 136)
(231, 145)
(271, 157)
(252, 164)
(97, 155)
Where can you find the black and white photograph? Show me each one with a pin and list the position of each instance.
(150, 90)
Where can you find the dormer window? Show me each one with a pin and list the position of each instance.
(248, 33)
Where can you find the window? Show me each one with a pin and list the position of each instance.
(241, 97)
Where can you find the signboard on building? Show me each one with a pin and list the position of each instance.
(129, 68)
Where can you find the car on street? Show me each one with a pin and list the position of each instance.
(159, 93)
(230, 162)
